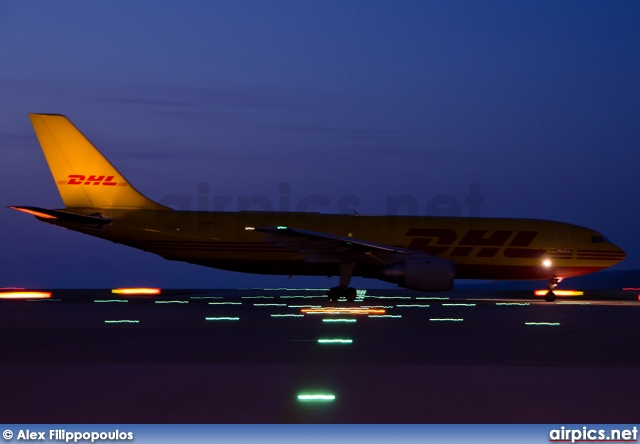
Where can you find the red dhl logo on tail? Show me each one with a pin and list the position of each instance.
(79, 179)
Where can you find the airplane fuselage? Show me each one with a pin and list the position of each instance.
(481, 248)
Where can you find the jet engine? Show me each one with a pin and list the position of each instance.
(424, 273)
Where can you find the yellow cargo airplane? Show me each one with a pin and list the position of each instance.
(421, 253)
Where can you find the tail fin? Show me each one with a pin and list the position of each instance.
(85, 179)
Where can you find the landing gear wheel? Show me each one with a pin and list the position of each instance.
(553, 283)
(335, 293)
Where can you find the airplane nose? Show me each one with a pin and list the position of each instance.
(621, 254)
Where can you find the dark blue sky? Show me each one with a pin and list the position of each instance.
(536, 102)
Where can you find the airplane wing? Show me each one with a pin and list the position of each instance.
(323, 247)
(409, 268)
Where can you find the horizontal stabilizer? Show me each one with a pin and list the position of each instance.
(63, 216)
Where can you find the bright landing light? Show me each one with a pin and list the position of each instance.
(133, 291)
(546, 263)
(559, 292)
(25, 294)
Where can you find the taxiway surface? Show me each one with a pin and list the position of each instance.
(244, 356)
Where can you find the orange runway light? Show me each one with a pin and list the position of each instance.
(25, 294)
(343, 311)
(134, 291)
(560, 292)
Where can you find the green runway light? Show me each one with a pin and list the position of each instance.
(122, 321)
(302, 297)
(338, 320)
(304, 306)
(384, 316)
(44, 300)
(269, 305)
(446, 319)
(106, 301)
(171, 302)
(256, 297)
(389, 297)
(513, 303)
(316, 398)
(225, 303)
(206, 297)
(281, 227)
(552, 324)
(434, 298)
(458, 305)
(294, 289)
(573, 303)
(335, 341)
(223, 318)
(376, 306)
(413, 306)
(287, 315)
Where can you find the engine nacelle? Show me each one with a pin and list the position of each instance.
(424, 273)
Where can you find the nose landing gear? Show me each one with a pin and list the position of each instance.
(553, 283)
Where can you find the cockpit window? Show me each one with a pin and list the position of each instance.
(599, 239)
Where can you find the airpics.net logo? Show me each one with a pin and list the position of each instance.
(587, 434)
(396, 205)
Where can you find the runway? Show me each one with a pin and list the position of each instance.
(244, 356)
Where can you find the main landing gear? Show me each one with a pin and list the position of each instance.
(553, 283)
(349, 293)
(343, 290)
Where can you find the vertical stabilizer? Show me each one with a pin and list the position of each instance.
(85, 179)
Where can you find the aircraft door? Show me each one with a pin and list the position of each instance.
(563, 240)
